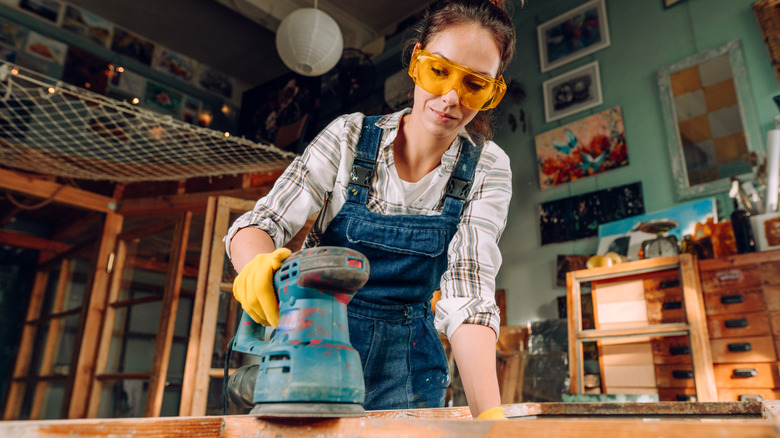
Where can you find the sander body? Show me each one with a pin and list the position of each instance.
(307, 367)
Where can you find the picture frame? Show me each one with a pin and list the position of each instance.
(710, 121)
(572, 92)
(581, 148)
(572, 35)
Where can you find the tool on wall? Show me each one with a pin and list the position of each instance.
(307, 367)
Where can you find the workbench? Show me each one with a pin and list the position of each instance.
(750, 419)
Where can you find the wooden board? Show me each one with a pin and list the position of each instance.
(671, 420)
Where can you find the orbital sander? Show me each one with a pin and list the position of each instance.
(307, 367)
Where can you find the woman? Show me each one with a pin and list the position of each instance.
(424, 195)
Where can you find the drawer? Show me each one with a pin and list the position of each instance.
(747, 394)
(664, 307)
(671, 350)
(774, 322)
(677, 394)
(770, 273)
(732, 277)
(747, 375)
(674, 376)
(734, 301)
(772, 297)
(736, 325)
(743, 350)
(664, 282)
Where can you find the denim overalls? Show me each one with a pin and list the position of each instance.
(390, 318)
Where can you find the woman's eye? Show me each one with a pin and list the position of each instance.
(475, 83)
(439, 70)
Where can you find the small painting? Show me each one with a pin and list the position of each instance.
(175, 65)
(163, 99)
(572, 92)
(12, 33)
(572, 35)
(216, 82)
(129, 44)
(569, 262)
(45, 48)
(48, 9)
(582, 148)
(580, 216)
(623, 236)
(87, 25)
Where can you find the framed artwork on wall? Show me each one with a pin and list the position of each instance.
(710, 121)
(572, 35)
(578, 217)
(582, 148)
(572, 92)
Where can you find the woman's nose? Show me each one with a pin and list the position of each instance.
(451, 97)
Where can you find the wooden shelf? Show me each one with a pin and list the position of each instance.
(695, 327)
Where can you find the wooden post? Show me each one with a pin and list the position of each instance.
(193, 345)
(80, 385)
(52, 340)
(18, 386)
(170, 303)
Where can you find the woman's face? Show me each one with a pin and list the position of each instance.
(471, 46)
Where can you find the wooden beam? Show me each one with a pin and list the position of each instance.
(62, 194)
(194, 202)
(92, 319)
(162, 346)
(27, 241)
(193, 345)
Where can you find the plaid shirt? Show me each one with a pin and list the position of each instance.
(317, 182)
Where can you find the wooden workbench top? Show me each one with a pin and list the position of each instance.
(638, 420)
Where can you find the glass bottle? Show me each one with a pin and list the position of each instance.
(743, 233)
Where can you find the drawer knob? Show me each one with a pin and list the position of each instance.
(676, 351)
(672, 305)
(686, 397)
(736, 323)
(732, 299)
(740, 346)
(683, 374)
(669, 283)
(745, 372)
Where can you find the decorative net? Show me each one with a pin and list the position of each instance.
(54, 128)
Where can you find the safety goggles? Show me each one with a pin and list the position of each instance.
(436, 75)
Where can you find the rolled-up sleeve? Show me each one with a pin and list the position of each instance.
(299, 192)
(468, 284)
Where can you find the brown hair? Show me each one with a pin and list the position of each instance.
(491, 15)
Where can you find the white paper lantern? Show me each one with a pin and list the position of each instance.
(309, 42)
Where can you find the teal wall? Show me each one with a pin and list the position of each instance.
(644, 37)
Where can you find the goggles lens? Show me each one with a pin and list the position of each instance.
(437, 75)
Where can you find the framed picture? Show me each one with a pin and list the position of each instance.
(572, 92)
(623, 236)
(670, 3)
(572, 35)
(582, 148)
(710, 121)
(578, 217)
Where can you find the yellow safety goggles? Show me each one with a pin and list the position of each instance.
(437, 75)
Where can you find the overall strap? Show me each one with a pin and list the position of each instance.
(459, 185)
(362, 169)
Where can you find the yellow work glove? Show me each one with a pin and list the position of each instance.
(254, 287)
(496, 413)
